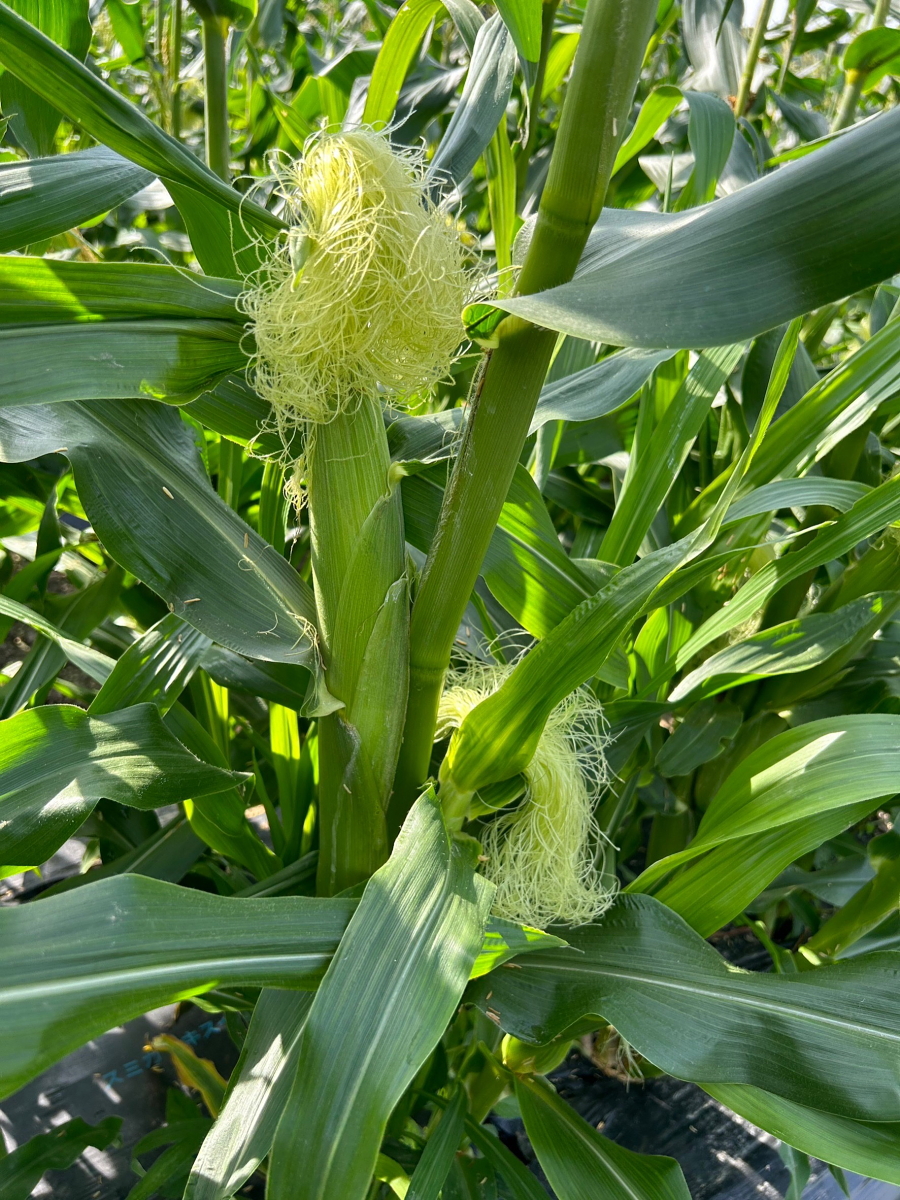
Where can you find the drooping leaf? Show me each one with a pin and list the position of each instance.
(71, 88)
(673, 998)
(482, 104)
(257, 1094)
(809, 233)
(582, 1164)
(56, 762)
(50, 195)
(140, 480)
(77, 964)
(33, 120)
(786, 649)
(870, 1148)
(23, 1168)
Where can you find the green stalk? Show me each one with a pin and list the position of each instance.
(174, 69)
(600, 93)
(218, 143)
(853, 84)
(756, 41)
(548, 12)
(358, 556)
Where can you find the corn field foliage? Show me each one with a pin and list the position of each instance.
(450, 575)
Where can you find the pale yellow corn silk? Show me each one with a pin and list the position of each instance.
(541, 856)
(364, 295)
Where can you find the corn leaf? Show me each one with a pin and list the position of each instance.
(580, 1162)
(393, 985)
(56, 762)
(148, 498)
(807, 234)
(678, 1003)
(77, 964)
(50, 195)
(86, 100)
(870, 1148)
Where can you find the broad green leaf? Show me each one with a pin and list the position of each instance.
(711, 132)
(224, 244)
(96, 665)
(716, 887)
(597, 390)
(678, 1003)
(798, 493)
(652, 474)
(41, 291)
(654, 113)
(50, 195)
(22, 1169)
(86, 100)
(525, 567)
(869, 515)
(440, 1151)
(520, 1183)
(262, 1080)
(801, 773)
(117, 360)
(787, 649)
(809, 233)
(220, 818)
(871, 56)
(154, 669)
(700, 737)
(402, 40)
(168, 854)
(845, 399)
(482, 104)
(78, 964)
(257, 1093)
(504, 940)
(147, 496)
(82, 612)
(580, 1163)
(869, 1148)
(523, 19)
(56, 762)
(867, 908)
(391, 989)
(32, 119)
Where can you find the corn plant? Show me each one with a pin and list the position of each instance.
(449, 511)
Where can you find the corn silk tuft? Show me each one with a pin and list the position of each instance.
(542, 854)
(365, 293)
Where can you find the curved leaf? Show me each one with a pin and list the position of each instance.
(77, 964)
(56, 762)
(50, 195)
(807, 234)
(384, 1003)
(580, 1163)
(147, 496)
(669, 994)
(86, 100)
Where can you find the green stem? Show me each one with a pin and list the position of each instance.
(218, 141)
(853, 84)
(600, 93)
(756, 41)
(548, 12)
(174, 68)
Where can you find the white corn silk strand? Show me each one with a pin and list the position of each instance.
(541, 855)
